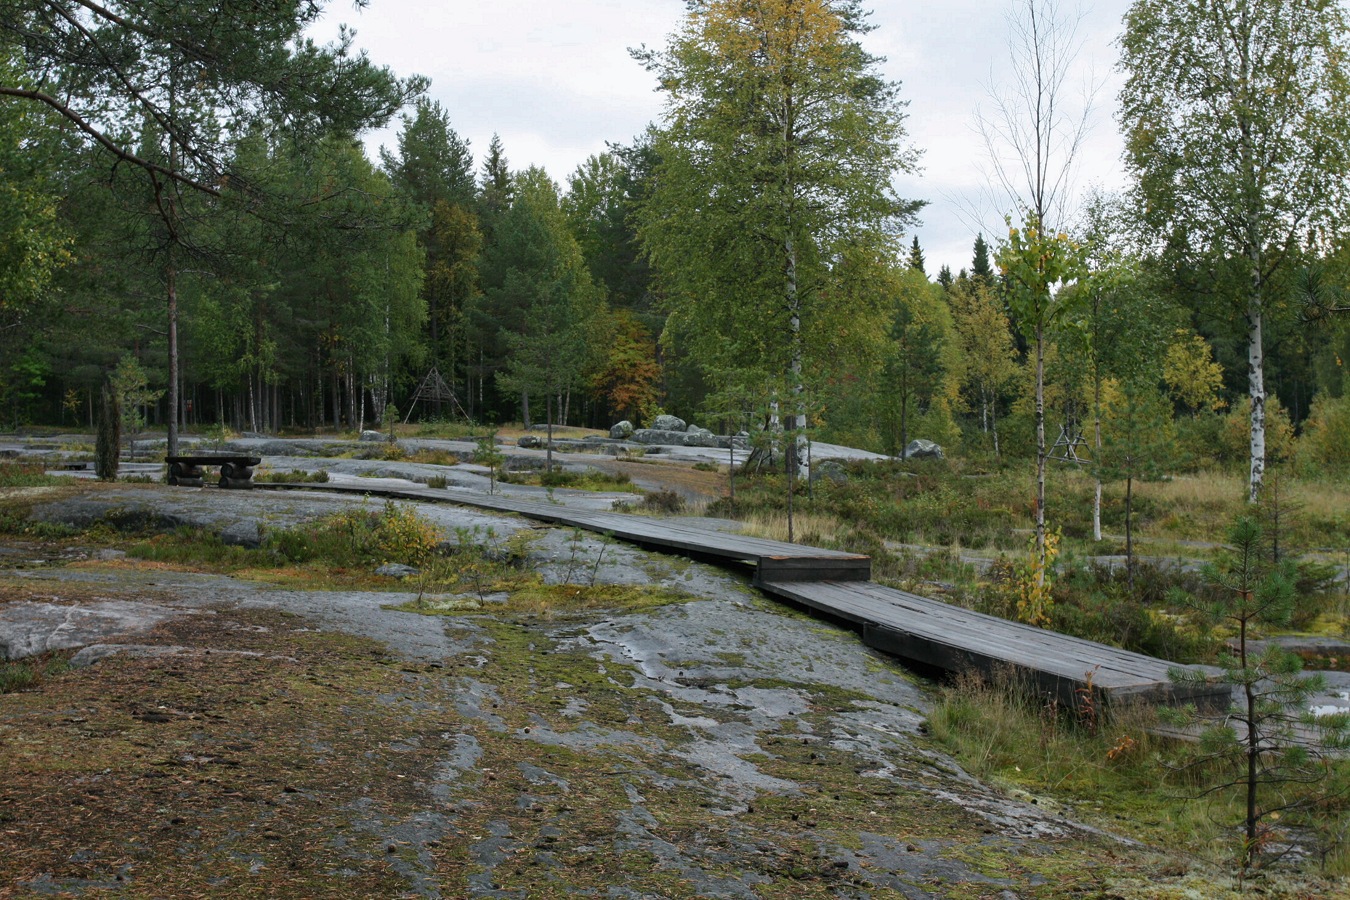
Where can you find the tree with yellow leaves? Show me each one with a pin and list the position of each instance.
(776, 157)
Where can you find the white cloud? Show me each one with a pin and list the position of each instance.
(556, 81)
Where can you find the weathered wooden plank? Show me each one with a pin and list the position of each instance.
(780, 569)
(660, 534)
(954, 640)
(911, 627)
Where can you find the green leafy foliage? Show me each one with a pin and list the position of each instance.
(1239, 150)
(774, 175)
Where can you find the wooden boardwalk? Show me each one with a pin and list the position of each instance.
(838, 585)
(950, 639)
(770, 560)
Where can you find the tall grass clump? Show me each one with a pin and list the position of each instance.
(23, 674)
(25, 474)
(361, 536)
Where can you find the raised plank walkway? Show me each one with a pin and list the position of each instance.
(838, 585)
(771, 560)
(951, 639)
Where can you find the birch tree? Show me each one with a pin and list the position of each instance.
(1038, 269)
(1236, 135)
(1033, 139)
(777, 151)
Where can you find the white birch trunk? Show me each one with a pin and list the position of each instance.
(1040, 453)
(1256, 386)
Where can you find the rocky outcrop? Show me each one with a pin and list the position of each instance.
(678, 438)
(921, 449)
(668, 423)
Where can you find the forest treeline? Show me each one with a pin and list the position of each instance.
(186, 204)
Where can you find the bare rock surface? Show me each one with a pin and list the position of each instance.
(717, 746)
(28, 629)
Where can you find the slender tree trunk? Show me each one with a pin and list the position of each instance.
(1097, 445)
(1253, 750)
(548, 415)
(1040, 452)
(1129, 530)
(993, 422)
(356, 399)
(172, 283)
(799, 456)
(904, 414)
(525, 408)
(1256, 387)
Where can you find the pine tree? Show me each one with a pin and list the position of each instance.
(1267, 740)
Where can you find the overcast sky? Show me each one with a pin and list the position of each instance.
(555, 80)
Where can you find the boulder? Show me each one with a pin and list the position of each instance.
(529, 442)
(669, 423)
(621, 431)
(831, 470)
(396, 570)
(694, 429)
(921, 449)
(676, 438)
(369, 435)
(242, 534)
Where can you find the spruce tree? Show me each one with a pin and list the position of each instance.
(980, 267)
(916, 261)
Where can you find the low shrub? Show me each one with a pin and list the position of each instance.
(361, 536)
(294, 476)
(433, 456)
(28, 474)
(667, 502)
